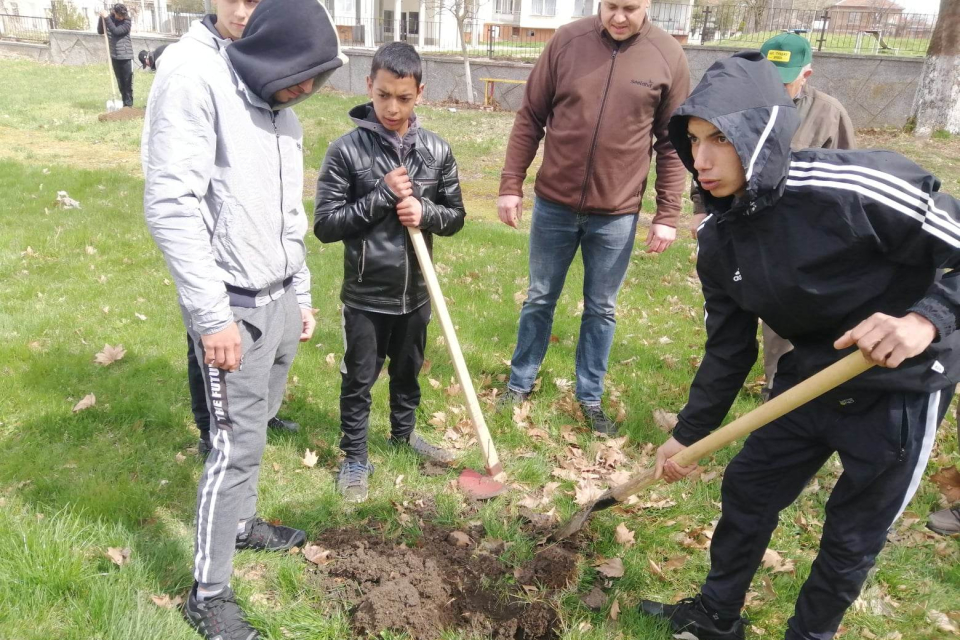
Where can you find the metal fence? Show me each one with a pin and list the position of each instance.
(729, 25)
(25, 28)
(436, 37)
(836, 30)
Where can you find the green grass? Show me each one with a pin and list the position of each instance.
(73, 485)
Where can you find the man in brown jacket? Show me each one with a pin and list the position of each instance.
(824, 124)
(603, 91)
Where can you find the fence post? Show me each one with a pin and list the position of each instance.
(53, 13)
(823, 29)
(706, 20)
(490, 41)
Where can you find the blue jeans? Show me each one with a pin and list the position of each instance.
(606, 244)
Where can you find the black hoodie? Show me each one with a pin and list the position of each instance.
(284, 43)
(821, 240)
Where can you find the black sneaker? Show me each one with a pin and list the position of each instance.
(204, 447)
(599, 421)
(218, 617)
(263, 536)
(690, 620)
(283, 425)
(510, 399)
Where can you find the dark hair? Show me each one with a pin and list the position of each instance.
(400, 59)
(142, 57)
(120, 9)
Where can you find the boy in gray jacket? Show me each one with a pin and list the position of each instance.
(223, 166)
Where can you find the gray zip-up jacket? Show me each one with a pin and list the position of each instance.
(223, 183)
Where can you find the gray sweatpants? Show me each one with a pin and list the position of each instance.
(240, 404)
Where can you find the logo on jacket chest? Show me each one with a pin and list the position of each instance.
(643, 83)
(737, 277)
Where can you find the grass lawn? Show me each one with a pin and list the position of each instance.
(121, 474)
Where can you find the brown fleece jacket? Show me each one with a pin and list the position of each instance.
(602, 104)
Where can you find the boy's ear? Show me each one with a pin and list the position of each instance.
(370, 86)
(420, 93)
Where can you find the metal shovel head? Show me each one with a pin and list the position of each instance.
(114, 105)
(478, 486)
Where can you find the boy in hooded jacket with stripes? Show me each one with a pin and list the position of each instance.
(834, 250)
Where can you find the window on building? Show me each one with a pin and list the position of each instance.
(507, 6)
(544, 7)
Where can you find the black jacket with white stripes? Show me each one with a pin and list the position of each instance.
(821, 240)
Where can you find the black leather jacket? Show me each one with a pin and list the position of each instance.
(354, 204)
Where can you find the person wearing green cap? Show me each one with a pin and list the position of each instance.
(824, 124)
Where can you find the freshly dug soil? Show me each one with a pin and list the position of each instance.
(437, 585)
(127, 113)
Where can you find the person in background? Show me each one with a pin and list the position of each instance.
(117, 25)
(149, 59)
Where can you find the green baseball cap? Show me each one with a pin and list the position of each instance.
(789, 52)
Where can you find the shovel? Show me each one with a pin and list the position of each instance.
(472, 483)
(114, 104)
(833, 376)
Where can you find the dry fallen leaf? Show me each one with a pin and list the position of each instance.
(676, 562)
(64, 201)
(88, 401)
(141, 317)
(655, 569)
(179, 457)
(612, 568)
(399, 481)
(167, 602)
(664, 420)
(615, 609)
(776, 563)
(434, 383)
(948, 480)
(276, 467)
(310, 459)
(624, 536)
(118, 556)
(331, 359)
(109, 355)
(586, 492)
(316, 554)
(943, 623)
(665, 340)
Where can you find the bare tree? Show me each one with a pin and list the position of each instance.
(755, 10)
(465, 13)
(937, 105)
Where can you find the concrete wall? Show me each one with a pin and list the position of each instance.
(75, 47)
(876, 90)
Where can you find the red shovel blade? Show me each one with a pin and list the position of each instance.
(479, 486)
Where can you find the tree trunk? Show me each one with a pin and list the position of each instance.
(937, 104)
(461, 21)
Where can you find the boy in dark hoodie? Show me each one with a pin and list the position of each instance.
(223, 199)
(387, 174)
(834, 250)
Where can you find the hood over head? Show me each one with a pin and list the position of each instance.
(744, 97)
(284, 43)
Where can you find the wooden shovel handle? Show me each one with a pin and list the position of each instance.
(816, 385)
(491, 460)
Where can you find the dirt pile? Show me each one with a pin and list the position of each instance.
(443, 582)
(127, 113)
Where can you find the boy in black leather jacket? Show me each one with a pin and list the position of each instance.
(387, 174)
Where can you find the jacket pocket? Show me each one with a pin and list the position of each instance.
(221, 229)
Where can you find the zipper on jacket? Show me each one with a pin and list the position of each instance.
(363, 259)
(596, 131)
(283, 218)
